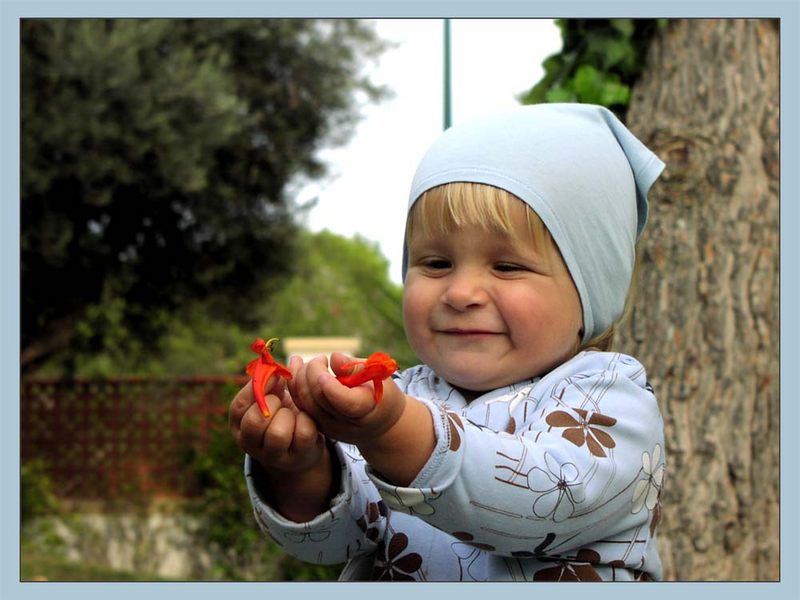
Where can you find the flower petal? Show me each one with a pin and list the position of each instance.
(553, 466)
(260, 377)
(392, 501)
(397, 544)
(576, 436)
(658, 475)
(652, 497)
(587, 555)
(251, 366)
(408, 563)
(595, 448)
(455, 438)
(551, 574)
(602, 437)
(587, 573)
(546, 504)
(462, 550)
(576, 492)
(560, 418)
(601, 419)
(410, 496)
(540, 480)
(639, 495)
(656, 454)
(563, 509)
(646, 463)
(569, 472)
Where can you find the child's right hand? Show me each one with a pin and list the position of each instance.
(288, 440)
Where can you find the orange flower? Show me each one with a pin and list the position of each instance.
(376, 368)
(262, 368)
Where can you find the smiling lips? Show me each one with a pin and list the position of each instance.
(458, 331)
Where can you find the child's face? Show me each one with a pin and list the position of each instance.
(485, 311)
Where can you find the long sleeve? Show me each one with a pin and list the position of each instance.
(550, 479)
(569, 465)
(351, 526)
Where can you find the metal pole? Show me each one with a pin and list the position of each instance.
(447, 101)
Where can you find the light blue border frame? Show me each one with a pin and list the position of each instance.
(12, 11)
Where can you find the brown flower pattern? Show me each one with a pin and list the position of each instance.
(568, 571)
(369, 521)
(584, 429)
(391, 566)
(519, 487)
(454, 423)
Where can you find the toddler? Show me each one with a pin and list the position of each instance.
(521, 449)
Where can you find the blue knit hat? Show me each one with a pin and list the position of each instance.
(579, 168)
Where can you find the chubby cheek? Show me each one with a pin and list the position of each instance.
(416, 312)
(552, 323)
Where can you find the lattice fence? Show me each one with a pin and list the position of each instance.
(111, 437)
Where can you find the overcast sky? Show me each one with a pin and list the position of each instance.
(492, 61)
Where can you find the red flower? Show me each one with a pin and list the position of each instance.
(376, 368)
(262, 368)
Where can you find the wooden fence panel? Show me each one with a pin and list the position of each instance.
(118, 436)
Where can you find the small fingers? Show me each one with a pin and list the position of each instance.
(292, 441)
(306, 434)
(288, 402)
(253, 424)
(289, 396)
(306, 393)
(295, 362)
(351, 403)
(251, 431)
(238, 407)
(342, 364)
(278, 438)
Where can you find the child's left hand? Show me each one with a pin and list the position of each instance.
(346, 414)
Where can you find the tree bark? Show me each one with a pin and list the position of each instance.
(705, 323)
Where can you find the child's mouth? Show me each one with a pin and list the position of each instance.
(468, 332)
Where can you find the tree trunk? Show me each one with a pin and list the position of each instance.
(705, 322)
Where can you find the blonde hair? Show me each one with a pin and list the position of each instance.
(445, 208)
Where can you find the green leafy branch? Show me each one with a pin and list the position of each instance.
(598, 64)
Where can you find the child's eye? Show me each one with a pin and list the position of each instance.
(509, 268)
(437, 263)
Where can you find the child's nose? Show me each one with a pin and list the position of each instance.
(464, 290)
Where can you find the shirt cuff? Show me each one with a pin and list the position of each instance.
(269, 518)
(436, 475)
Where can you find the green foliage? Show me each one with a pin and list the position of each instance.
(341, 288)
(157, 157)
(41, 563)
(598, 63)
(39, 507)
(36, 491)
(228, 527)
(193, 342)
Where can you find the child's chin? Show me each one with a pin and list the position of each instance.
(470, 382)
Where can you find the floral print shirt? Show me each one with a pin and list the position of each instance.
(556, 478)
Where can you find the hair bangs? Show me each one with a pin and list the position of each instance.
(446, 208)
